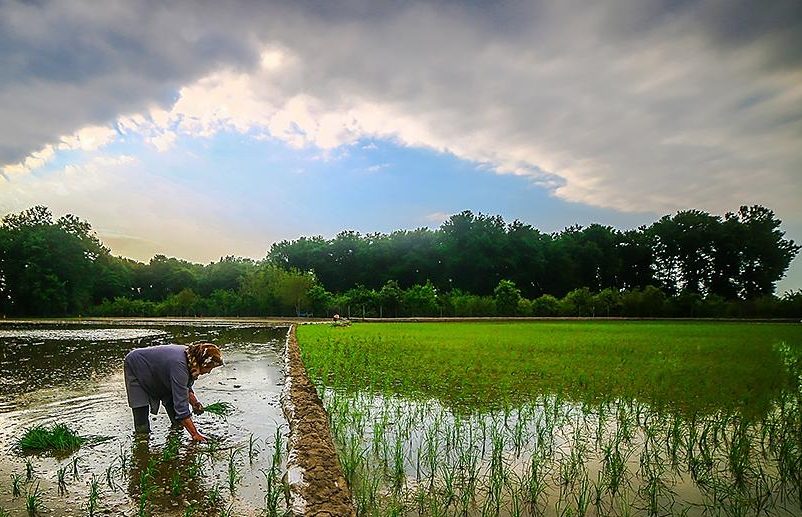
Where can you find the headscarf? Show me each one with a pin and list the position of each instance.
(202, 354)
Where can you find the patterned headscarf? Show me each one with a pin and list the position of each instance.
(202, 354)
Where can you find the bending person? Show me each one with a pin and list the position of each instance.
(164, 374)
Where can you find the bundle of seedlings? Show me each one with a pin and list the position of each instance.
(59, 438)
(223, 409)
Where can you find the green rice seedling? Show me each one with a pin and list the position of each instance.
(171, 448)
(351, 459)
(110, 470)
(398, 473)
(190, 511)
(60, 437)
(28, 470)
(75, 474)
(232, 471)
(176, 484)
(123, 458)
(448, 476)
(214, 497)
(146, 488)
(613, 467)
(195, 467)
(61, 474)
(273, 494)
(583, 496)
(16, 483)
(253, 448)
(33, 502)
(4, 512)
(212, 447)
(278, 448)
(222, 409)
(94, 497)
(536, 484)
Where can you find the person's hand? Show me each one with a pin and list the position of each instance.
(199, 438)
(197, 408)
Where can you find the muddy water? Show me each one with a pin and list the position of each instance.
(73, 374)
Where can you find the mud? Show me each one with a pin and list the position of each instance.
(317, 484)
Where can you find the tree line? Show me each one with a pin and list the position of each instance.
(689, 264)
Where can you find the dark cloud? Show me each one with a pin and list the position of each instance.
(71, 64)
(633, 103)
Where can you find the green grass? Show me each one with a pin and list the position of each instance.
(219, 408)
(685, 366)
(58, 438)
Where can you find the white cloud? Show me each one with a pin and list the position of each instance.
(437, 218)
(377, 167)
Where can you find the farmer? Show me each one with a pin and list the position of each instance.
(165, 374)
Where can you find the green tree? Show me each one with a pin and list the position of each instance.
(608, 301)
(420, 300)
(507, 296)
(390, 298)
(320, 300)
(579, 302)
(546, 305)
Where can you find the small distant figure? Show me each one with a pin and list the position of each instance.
(340, 322)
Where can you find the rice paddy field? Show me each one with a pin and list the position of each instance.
(66, 432)
(564, 418)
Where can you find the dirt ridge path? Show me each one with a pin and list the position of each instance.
(317, 485)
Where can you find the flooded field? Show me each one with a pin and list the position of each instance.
(72, 374)
(412, 443)
(556, 457)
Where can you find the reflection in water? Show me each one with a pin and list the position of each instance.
(73, 374)
(556, 457)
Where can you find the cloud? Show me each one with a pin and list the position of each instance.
(633, 105)
(437, 218)
(377, 167)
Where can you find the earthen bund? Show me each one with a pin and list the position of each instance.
(316, 483)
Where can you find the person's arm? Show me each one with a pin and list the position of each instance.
(181, 395)
(189, 425)
(197, 407)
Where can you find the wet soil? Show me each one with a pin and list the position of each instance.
(317, 484)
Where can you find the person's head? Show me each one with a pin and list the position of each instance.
(203, 358)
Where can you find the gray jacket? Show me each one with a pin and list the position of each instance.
(159, 374)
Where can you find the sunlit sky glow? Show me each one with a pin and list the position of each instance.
(204, 129)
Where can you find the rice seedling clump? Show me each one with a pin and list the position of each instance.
(60, 437)
(219, 408)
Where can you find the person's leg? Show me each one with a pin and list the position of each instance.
(168, 406)
(138, 400)
(141, 419)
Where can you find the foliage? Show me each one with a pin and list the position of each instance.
(507, 297)
(691, 264)
(740, 255)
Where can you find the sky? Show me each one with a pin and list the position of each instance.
(202, 129)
